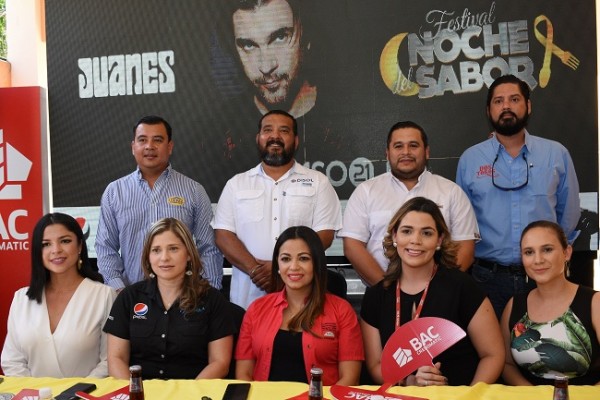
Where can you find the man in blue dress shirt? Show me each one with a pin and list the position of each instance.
(131, 204)
(514, 178)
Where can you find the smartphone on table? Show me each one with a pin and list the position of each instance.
(69, 394)
(237, 391)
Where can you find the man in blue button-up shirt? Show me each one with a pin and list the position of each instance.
(514, 178)
(131, 204)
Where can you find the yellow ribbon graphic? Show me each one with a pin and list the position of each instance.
(550, 48)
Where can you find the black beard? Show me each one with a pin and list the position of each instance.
(276, 159)
(509, 128)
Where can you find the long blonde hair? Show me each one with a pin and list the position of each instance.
(194, 285)
(445, 256)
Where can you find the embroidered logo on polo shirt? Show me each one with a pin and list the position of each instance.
(140, 310)
(176, 200)
(485, 170)
(329, 330)
(304, 181)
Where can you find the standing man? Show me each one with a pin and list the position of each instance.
(131, 204)
(514, 178)
(259, 204)
(374, 202)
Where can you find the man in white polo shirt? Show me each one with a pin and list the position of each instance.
(375, 201)
(259, 204)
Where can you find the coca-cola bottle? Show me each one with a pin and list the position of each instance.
(561, 388)
(136, 386)
(315, 389)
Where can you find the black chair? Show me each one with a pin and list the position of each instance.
(237, 314)
(336, 284)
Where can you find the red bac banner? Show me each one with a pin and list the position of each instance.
(24, 191)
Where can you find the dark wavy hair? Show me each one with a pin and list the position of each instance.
(445, 256)
(195, 286)
(316, 301)
(40, 276)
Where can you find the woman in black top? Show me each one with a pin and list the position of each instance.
(173, 323)
(424, 280)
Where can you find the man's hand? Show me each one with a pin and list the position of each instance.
(261, 275)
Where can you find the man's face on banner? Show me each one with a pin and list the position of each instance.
(268, 44)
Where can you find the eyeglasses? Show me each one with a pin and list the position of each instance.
(514, 187)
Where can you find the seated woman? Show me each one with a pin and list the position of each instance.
(423, 280)
(286, 333)
(55, 324)
(173, 323)
(552, 330)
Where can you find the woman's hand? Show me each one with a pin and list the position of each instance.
(427, 376)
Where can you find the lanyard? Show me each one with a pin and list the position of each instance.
(421, 302)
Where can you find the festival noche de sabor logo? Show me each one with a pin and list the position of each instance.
(489, 48)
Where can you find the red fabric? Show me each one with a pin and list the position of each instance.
(340, 339)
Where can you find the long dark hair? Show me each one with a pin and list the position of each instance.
(445, 256)
(316, 300)
(194, 287)
(39, 274)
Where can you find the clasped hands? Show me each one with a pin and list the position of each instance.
(261, 275)
(428, 375)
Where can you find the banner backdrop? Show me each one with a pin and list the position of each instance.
(351, 71)
(23, 186)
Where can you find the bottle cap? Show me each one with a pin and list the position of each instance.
(45, 393)
(135, 368)
(316, 371)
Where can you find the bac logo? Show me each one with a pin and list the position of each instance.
(140, 309)
(425, 340)
(14, 167)
(403, 357)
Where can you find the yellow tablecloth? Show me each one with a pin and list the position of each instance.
(214, 388)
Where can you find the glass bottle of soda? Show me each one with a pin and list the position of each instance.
(561, 388)
(315, 389)
(136, 387)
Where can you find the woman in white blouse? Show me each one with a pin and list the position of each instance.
(55, 324)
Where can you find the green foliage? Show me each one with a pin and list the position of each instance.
(526, 341)
(3, 29)
(577, 333)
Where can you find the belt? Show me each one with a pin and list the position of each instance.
(514, 269)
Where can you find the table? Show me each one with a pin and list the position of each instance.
(214, 388)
